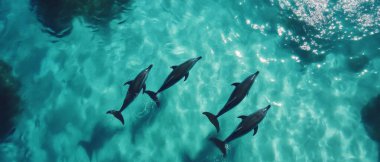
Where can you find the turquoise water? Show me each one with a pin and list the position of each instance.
(318, 61)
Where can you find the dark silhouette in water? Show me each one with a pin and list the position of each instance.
(101, 12)
(247, 124)
(357, 63)
(9, 100)
(371, 120)
(179, 72)
(135, 86)
(57, 15)
(100, 135)
(241, 90)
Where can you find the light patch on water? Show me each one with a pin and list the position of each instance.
(238, 54)
(248, 21)
(305, 46)
(296, 58)
(359, 21)
(280, 30)
(263, 60)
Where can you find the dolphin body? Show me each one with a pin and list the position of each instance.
(247, 124)
(135, 86)
(241, 90)
(177, 74)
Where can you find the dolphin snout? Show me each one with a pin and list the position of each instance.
(198, 58)
(150, 66)
(267, 108)
(254, 75)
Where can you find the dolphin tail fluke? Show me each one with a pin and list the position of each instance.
(153, 96)
(117, 114)
(213, 119)
(87, 147)
(220, 144)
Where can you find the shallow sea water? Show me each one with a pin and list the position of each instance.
(318, 61)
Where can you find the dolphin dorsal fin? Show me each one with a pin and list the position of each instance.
(235, 84)
(242, 117)
(186, 75)
(174, 67)
(128, 83)
(255, 130)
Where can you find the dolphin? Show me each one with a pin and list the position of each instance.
(177, 74)
(135, 86)
(241, 90)
(247, 124)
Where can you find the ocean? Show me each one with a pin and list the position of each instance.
(65, 62)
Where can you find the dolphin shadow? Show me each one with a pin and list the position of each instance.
(208, 153)
(371, 120)
(147, 117)
(101, 134)
(10, 101)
